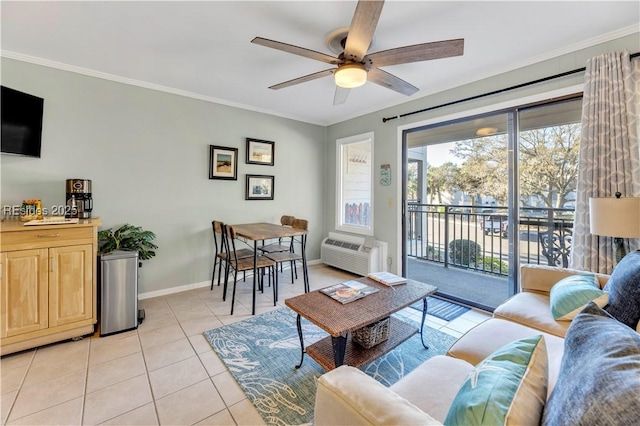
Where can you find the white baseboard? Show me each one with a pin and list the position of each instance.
(187, 287)
(173, 290)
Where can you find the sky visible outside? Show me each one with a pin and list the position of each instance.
(439, 154)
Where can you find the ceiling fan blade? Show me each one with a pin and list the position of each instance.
(363, 25)
(296, 50)
(341, 95)
(390, 81)
(417, 53)
(303, 79)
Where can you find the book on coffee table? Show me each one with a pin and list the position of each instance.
(387, 278)
(348, 291)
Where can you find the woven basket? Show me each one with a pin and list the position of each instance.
(372, 334)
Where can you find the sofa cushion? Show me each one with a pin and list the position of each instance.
(488, 336)
(444, 375)
(347, 396)
(540, 278)
(599, 380)
(507, 388)
(571, 294)
(532, 310)
(624, 290)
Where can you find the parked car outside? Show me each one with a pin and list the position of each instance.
(495, 224)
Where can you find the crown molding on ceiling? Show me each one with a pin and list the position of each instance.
(603, 38)
(584, 44)
(143, 84)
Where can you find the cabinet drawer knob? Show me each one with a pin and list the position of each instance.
(48, 235)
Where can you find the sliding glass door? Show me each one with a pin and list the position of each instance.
(548, 144)
(486, 193)
(457, 225)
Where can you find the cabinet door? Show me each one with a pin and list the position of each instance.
(70, 284)
(24, 301)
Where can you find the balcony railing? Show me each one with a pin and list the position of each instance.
(476, 237)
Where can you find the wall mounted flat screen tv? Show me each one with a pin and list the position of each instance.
(21, 122)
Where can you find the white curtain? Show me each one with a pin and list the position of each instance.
(609, 159)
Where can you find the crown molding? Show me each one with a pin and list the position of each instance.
(143, 84)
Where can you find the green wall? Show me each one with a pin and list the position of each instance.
(147, 155)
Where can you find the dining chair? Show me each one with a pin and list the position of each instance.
(292, 256)
(221, 251)
(246, 264)
(279, 246)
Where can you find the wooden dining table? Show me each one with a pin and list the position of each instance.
(266, 231)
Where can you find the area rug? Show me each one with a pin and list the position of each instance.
(441, 308)
(261, 353)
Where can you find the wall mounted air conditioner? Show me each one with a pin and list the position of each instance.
(360, 255)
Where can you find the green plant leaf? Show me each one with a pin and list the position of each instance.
(129, 238)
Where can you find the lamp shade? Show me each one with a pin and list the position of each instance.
(350, 75)
(615, 217)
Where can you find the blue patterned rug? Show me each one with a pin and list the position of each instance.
(261, 353)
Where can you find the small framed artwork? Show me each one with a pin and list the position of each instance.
(260, 152)
(223, 162)
(259, 187)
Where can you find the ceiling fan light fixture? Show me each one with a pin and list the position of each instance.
(350, 75)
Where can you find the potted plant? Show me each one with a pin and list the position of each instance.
(128, 238)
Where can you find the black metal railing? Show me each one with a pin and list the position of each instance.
(476, 237)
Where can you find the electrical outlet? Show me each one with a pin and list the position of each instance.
(389, 261)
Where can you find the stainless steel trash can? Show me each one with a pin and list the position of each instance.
(118, 292)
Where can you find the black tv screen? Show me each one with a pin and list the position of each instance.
(21, 122)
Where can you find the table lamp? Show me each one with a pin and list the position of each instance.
(615, 217)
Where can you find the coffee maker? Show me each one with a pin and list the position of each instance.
(79, 201)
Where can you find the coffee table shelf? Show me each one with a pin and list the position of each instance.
(356, 355)
(340, 320)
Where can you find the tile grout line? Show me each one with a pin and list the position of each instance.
(86, 382)
(55, 405)
(24, 377)
(146, 369)
(227, 407)
(209, 377)
(113, 384)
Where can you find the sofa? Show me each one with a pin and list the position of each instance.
(551, 354)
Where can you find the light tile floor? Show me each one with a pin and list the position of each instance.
(165, 372)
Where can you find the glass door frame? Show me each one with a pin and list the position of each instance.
(513, 116)
(512, 206)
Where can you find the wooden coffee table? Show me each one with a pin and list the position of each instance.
(339, 320)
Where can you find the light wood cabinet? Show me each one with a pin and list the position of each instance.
(48, 277)
(25, 294)
(70, 284)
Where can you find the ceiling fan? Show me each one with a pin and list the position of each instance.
(354, 66)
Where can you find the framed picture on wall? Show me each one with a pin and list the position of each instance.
(259, 187)
(260, 152)
(223, 162)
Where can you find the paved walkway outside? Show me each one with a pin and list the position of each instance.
(480, 288)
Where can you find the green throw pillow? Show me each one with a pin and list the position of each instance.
(509, 387)
(571, 294)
